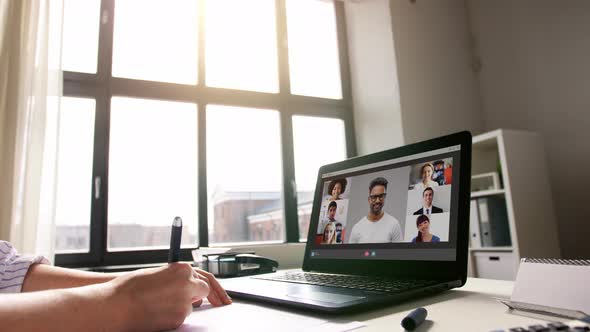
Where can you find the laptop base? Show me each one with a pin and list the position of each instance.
(334, 300)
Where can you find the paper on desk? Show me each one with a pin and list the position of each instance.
(553, 285)
(247, 317)
(335, 327)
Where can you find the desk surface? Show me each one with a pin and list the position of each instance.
(470, 308)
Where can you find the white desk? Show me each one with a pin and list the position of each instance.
(470, 308)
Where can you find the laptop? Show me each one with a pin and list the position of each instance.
(385, 227)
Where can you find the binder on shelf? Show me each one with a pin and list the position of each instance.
(484, 222)
(488, 222)
(474, 237)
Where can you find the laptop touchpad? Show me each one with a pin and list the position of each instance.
(326, 297)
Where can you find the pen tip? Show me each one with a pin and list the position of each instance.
(177, 222)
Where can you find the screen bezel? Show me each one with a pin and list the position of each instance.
(440, 270)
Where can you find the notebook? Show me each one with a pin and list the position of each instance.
(554, 286)
(384, 228)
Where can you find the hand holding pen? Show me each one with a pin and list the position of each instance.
(217, 295)
(168, 293)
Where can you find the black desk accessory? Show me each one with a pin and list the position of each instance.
(414, 319)
(238, 264)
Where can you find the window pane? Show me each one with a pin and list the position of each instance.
(156, 40)
(316, 141)
(152, 172)
(241, 49)
(244, 175)
(80, 35)
(74, 175)
(314, 63)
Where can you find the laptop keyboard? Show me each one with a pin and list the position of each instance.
(378, 284)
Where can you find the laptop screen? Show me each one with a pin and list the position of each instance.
(398, 209)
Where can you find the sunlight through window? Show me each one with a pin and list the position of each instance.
(152, 172)
(80, 35)
(244, 174)
(241, 45)
(74, 174)
(317, 141)
(314, 63)
(156, 40)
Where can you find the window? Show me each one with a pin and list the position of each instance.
(74, 174)
(152, 172)
(241, 51)
(317, 141)
(244, 174)
(165, 51)
(217, 111)
(314, 64)
(80, 35)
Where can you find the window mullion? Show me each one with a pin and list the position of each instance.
(99, 222)
(201, 45)
(105, 40)
(203, 223)
(343, 53)
(289, 185)
(202, 179)
(345, 78)
(98, 219)
(282, 45)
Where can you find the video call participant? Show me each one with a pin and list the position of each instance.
(329, 234)
(336, 188)
(339, 233)
(448, 173)
(439, 172)
(331, 217)
(332, 207)
(426, 171)
(377, 226)
(427, 207)
(424, 235)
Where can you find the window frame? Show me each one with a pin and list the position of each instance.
(102, 86)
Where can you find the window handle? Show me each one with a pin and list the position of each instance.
(97, 187)
(104, 18)
(294, 188)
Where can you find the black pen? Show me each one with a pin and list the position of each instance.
(175, 237)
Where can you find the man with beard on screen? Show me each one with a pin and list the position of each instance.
(377, 226)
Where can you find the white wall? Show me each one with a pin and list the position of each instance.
(438, 88)
(411, 71)
(536, 76)
(377, 109)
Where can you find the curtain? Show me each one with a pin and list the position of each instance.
(30, 90)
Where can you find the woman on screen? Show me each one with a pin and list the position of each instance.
(329, 234)
(426, 171)
(424, 235)
(336, 188)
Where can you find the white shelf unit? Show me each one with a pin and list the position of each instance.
(519, 157)
(485, 193)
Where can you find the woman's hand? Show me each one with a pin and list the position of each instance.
(217, 295)
(161, 298)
